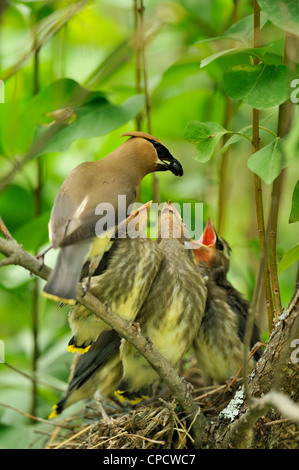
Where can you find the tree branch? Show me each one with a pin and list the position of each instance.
(180, 389)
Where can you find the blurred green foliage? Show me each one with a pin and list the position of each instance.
(85, 60)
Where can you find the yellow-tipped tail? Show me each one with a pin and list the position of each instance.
(132, 401)
(72, 348)
(59, 299)
(119, 395)
(54, 413)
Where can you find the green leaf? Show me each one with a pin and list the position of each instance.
(294, 215)
(64, 94)
(91, 121)
(240, 31)
(267, 162)
(283, 13)
(205, 135)
(261, 86)
(289, 258)
(256, 52)
(244, 27)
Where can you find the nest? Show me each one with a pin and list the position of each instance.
(157, 424)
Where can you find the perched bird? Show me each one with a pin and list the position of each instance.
(73, 221)
(172, 312)
(94, 374)
(130, 268)
(219, 344)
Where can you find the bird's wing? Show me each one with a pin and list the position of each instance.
(73, 215)
(241, 307)
(99, 353)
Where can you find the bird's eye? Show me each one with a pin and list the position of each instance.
(219, 245)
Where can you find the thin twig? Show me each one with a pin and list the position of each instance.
(5, 230)
(29, 377)
(146, 439)
(74, 436)
(251, 354)
(37, 211)
(31, 417)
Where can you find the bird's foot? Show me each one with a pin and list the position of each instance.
(41, 256)
(85, 287)
(149, 343)
(136, 327)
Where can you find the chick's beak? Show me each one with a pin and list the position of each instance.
(208, 237)
(171, 208)
(204, 249)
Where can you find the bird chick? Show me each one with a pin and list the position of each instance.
(172, 312)
(94, 374)
(75, 226)
(130, 268)
(219, 343)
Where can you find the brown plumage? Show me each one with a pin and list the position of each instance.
(72, 226)
(172, 312)
(219, 346)
(130, 268)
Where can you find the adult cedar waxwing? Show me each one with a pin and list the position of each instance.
(219, 344)
(94, 374)
(172, 313)
(130, 268)
(75, 227)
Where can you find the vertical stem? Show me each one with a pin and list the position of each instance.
(3, 6)
(156, 196)
(138, 60)
(273, 221)
(263, 269)
(222, 195)
(285, 112)
(258, 185)
(37, 212)
(223, 187)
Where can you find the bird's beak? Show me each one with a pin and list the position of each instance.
(142, 209)
(171, 224)
(137, 220)
(204, 249)
(208, 237)
(171, 164)
(170, 207)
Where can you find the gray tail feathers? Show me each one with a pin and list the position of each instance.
(62, 283)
